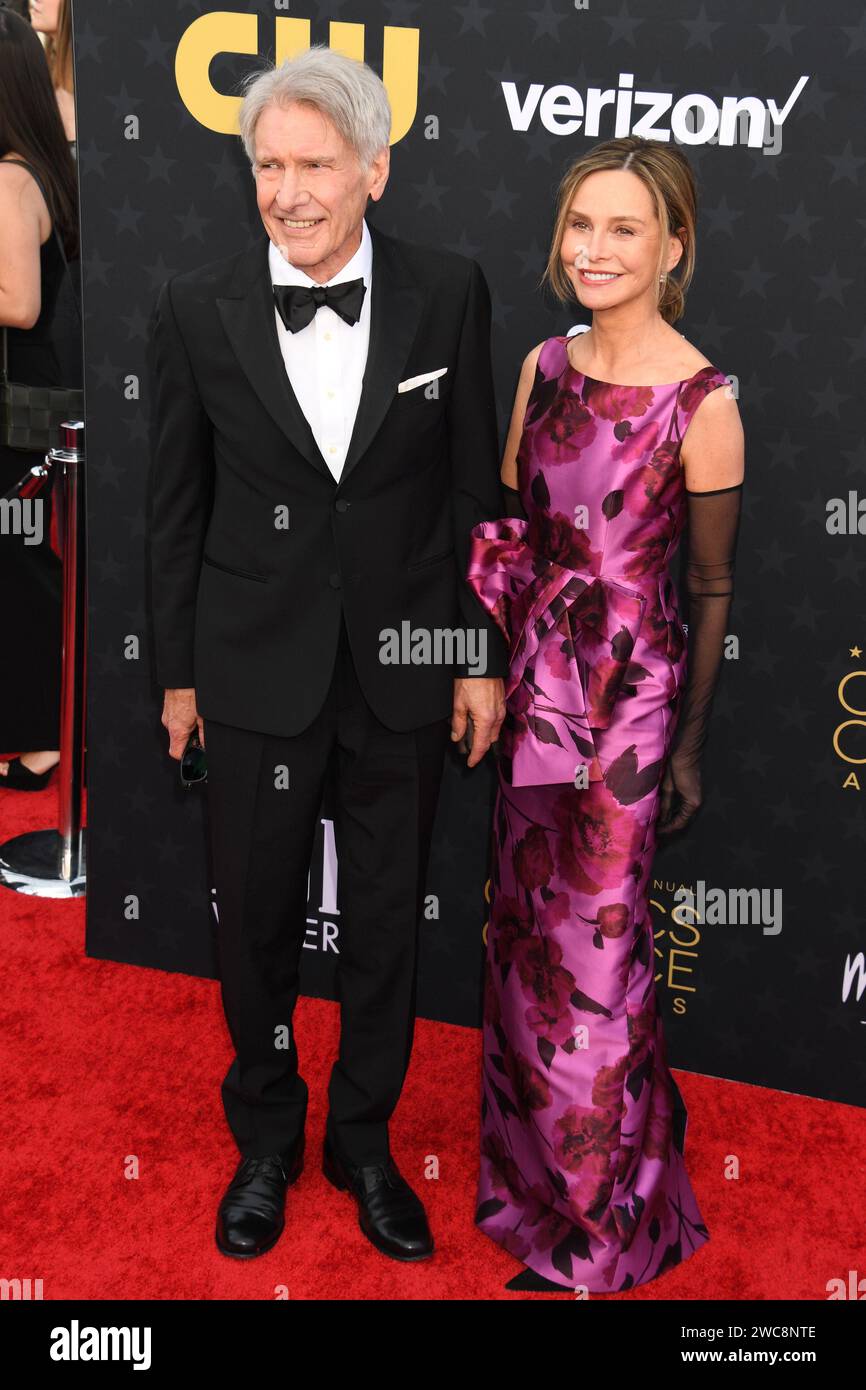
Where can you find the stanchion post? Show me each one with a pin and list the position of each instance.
(69, 458)
(51, 863)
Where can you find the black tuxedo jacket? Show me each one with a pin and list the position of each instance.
(253, 546)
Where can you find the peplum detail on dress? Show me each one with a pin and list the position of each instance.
(571, 635)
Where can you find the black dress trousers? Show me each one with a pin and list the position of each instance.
(264, 799)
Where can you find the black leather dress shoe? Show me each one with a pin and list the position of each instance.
(251, 1215)
(391, 1216)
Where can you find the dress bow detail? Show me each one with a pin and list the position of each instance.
(570, 634)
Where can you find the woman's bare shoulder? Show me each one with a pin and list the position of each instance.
(16, 179)
(688, 358)
(19, 189)
(530, 361)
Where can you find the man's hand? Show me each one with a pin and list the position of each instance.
(484, 699)
(180, 717)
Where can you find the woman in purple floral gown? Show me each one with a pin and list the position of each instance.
(582, 1171)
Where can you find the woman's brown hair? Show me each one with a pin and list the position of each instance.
(668, 176)
(31, 126)
(58, 49)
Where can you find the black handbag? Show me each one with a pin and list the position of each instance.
(31, 416)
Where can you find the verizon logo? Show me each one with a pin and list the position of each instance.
(695, 119)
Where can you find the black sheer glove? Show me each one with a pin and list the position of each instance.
(713, 522)
(512, 503)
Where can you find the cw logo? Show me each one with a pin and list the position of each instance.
(225, 32)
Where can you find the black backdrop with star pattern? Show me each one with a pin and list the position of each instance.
(775, 304)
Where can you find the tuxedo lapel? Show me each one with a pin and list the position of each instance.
(395, 311)
(247, 313)
(248, 317)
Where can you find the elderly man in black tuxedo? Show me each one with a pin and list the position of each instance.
(324, 440)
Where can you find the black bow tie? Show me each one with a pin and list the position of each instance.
(297, 304)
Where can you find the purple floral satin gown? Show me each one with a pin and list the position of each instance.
(582, 1175)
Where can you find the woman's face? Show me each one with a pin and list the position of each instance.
(612, 229)
(45, 15)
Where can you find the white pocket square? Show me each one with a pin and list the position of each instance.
(412, 381)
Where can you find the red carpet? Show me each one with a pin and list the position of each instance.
(110, 1068)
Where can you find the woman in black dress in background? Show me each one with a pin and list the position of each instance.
(44, 349)
(53, 20)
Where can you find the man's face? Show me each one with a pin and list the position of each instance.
(310, 189)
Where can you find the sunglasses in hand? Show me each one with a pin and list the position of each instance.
(193, 764)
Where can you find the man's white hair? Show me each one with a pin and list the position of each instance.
(348, 92)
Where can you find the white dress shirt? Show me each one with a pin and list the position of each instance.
(325, 361)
